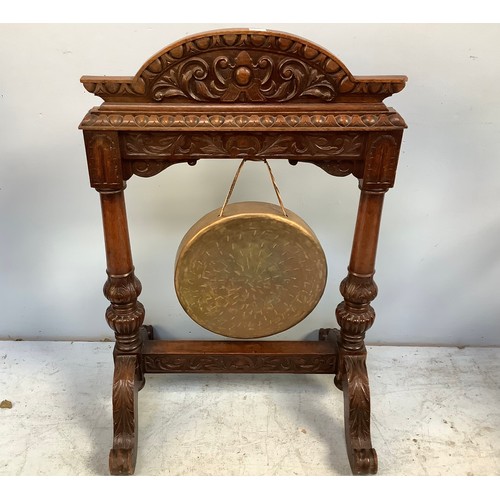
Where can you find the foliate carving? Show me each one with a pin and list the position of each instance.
(362, 456)
(249, 121)
(126, 321)
(125, 314)
(199, 145)
(239, 76)
(122, 290)
(148, 168)
(123, 401)
(356, 375)
(341, 168)
(227, 67)
(381, 163)
(242, 66)
(358, 289)
(355, 315)
(103, 157)
(234, 363)
(123, 454)
(354, 322)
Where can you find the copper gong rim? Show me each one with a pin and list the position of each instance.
(250, 273)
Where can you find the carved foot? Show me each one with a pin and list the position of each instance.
(121, 462)
(364, 462)
(123, 455)
(354, 379)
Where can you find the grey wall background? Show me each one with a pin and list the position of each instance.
(438, 268)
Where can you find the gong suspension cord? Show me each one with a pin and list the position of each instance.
(230, 192)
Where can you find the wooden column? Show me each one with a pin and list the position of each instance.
(355, 315)
(125, 313)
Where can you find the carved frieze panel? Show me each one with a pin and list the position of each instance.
(226, 145)
(235, 363)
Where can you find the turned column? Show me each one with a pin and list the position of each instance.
(125, 313)
(355, 315)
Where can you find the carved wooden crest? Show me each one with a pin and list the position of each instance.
(243, 66)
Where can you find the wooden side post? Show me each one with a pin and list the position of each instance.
(125, 313)
(355, 315)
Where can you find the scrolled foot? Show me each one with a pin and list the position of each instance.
(354, 378)
(364, 462)
(122, 456)
(121, 462)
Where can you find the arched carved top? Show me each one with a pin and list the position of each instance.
(243, 66)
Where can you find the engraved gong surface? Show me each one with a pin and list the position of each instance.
(251, 273)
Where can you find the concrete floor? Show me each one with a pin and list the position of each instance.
(435, 411)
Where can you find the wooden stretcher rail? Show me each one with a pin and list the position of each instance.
(161, 356)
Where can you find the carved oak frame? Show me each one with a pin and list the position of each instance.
(242, 94)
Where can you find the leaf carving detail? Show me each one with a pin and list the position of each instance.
(243, 76)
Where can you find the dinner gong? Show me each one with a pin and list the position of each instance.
(250, 269)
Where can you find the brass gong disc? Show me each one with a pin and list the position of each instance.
(250, 273)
